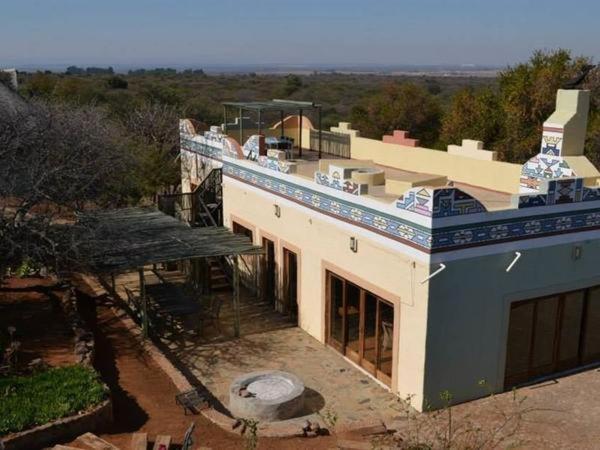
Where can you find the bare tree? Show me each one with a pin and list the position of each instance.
(55, 160)
(155, 127)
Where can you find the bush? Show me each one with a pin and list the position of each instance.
(28, 401)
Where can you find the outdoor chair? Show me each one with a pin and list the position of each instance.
(193, 400)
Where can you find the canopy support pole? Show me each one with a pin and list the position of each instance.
(236, 296)
(241, 127)
(300, 136)
(144, 303)
(320, 133)
(259, 121)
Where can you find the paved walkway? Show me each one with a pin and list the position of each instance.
(334, 386)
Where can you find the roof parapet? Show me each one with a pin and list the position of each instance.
(473, 149)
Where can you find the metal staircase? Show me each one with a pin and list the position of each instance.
(204, 208)
(201, 208)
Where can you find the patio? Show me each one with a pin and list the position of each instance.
(268, 341)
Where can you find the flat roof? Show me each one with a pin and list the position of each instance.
(492, 200)
(274, 105)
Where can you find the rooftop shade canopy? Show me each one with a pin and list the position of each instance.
(274, 105)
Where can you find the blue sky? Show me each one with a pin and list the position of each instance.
(204, 32)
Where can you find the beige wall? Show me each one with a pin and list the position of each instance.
(324, 244)
(499, 176)
(469, 305)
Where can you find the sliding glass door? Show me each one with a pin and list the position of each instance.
(552, 334)
(360, 326)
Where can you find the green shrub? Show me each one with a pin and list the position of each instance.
(28, 401)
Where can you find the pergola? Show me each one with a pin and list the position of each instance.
(129, 239)
(283, 106)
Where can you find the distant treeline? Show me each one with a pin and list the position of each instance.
(75, 70)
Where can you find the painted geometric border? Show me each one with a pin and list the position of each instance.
(425, 239)
(412, 234)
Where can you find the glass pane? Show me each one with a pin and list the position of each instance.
(543, 340)
(519, 340)
(353, 315)
(386, 332)
(337, 309)
(568, 347)
(268, 270)
(292, 273)
(370, 328)
(591, 342)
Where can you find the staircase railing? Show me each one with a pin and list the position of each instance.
(204, 208)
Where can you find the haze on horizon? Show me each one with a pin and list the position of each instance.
(142, 33)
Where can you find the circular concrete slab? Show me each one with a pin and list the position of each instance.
(269, 395)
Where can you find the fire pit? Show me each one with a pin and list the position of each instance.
(268, 395)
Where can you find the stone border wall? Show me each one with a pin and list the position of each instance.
(62, 429)
(84, 337)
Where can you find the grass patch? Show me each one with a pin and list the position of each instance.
(28, 401)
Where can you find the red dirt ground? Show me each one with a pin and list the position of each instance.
(143, 397)
(41, 327)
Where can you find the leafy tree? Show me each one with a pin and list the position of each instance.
(40, 85)
(292, 83)
(74, 70)
(117, 83)
(472, 115)
(78, 90)
(527, 97)
(510, 120)
(399, 106)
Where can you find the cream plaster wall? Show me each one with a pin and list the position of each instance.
(324, 243)
(495, 175)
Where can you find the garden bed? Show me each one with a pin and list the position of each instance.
(28, 401)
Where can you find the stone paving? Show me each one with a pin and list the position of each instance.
(333, 385)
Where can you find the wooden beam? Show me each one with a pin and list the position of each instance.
(139, 441)
(236, 296)
(144, 303)
(162, 440)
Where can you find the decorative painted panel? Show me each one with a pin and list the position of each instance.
(349, 186)
(204, 149)
(277, 165)
(552, 139)
(427, 239)
(555, 192)
(542, 167)
(252, 147)
(439, 202)
(450, 202)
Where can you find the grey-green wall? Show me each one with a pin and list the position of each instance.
(469, 307)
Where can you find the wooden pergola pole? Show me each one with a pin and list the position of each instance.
(300, 135)
(236, 296)
(144, 303)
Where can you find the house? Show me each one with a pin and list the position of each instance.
(431, 271)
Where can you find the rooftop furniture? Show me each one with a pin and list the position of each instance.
(283, 106)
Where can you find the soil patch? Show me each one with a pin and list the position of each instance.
(41, 327)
